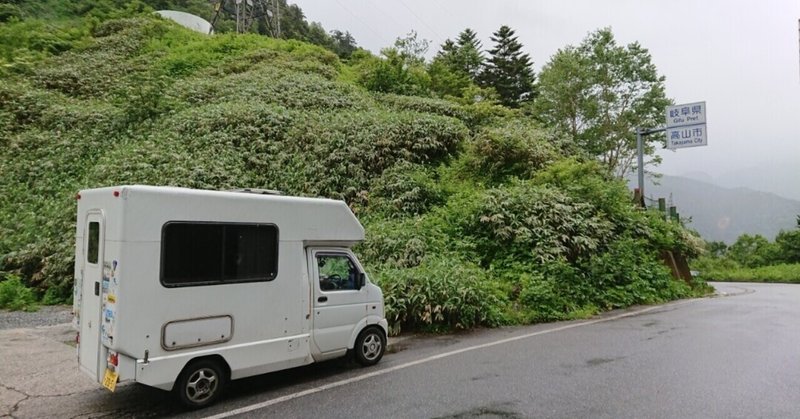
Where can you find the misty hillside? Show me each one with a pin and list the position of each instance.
(726, 213)
(779, 178)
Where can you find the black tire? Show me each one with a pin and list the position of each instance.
(370, 346)
(201, 383)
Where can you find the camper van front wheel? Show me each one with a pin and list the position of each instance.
(200, 384)
(370, 346)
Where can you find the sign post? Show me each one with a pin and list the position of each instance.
(686, 127)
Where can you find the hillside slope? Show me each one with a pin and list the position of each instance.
(474, 215)
(723, 214)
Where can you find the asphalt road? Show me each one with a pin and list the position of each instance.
(728, 356)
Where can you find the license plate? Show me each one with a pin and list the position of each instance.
(110, 379)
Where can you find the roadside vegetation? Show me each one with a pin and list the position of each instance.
(753, 258)
(14, 295)
(483, 206)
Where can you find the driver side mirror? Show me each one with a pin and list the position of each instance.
(362, 280)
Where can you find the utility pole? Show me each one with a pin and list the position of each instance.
(640, 132)
(640, 160)
(278, 18)
(247, 12)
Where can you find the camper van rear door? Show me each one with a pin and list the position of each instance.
(90, 319)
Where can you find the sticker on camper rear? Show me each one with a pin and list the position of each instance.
(109, 301)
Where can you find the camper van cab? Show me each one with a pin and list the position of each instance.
(185, 289)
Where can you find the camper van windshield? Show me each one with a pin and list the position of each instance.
(216, 253)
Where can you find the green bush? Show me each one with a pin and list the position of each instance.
(586, 181)
(624, 275)
(753, 251)
(517, 149)
(14, 295)
(753, 258)
(54, 296)
(788, 245)
(422, 105)
(542, 300)
(392, 74)
(405, 189)
(24, 44)
(728, 271)
(270, 84)
(442, 293)
(531, 222)
(9, 12)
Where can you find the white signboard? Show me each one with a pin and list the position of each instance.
(686, 114)
(686, 136)
(686, 125)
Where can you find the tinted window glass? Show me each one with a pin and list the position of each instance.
(249, 251)
(93, 249)
(192, 253)
(210, 253)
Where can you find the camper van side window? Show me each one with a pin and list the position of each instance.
(93, 249)
(214, 253)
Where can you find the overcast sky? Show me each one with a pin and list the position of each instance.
(741, 58)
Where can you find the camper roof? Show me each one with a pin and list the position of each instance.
(311, 220)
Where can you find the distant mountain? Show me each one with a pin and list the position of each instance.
(781, 178)
(724, 214)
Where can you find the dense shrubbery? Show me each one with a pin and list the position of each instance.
(474, 215)
(550, 252)
(405, 189)
(514, 148)
(441, 293)
(712, 271)
(14, 295)
(753, 258)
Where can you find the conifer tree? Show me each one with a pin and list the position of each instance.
(457, 65)
(508, 70)
(469, 57)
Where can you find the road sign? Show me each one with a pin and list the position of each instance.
(686, 114)
(686, 125)
(686, 136)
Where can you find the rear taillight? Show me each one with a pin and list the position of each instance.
(78, 338)
(113, 358)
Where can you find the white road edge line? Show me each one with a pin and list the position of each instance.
(335, 384)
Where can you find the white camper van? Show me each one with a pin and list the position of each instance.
(185, 289)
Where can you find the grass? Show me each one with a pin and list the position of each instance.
(783, 273)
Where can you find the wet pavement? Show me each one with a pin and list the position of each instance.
(735, 355)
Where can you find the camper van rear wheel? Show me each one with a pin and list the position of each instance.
(200, 384)
(370, 346)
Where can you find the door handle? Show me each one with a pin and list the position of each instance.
(322, 299)
(96, 288)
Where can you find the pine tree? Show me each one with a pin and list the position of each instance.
(469, 58)
(344, 44)
(508, 71)
(457, 65)
(448, 51)
(446, 78)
